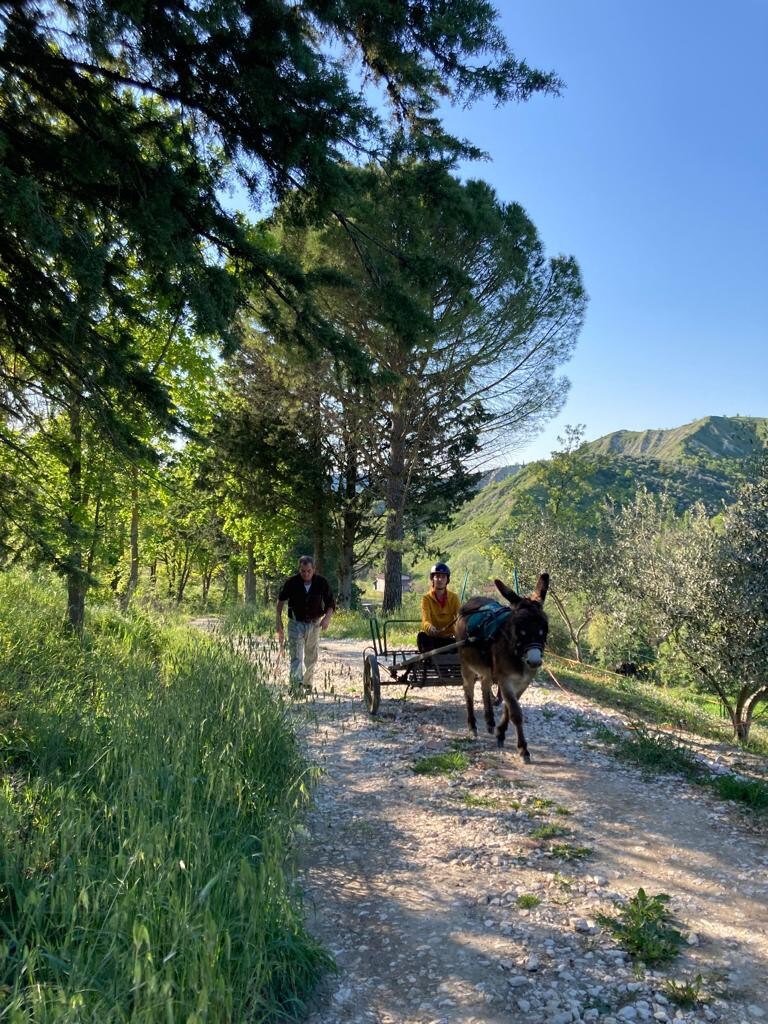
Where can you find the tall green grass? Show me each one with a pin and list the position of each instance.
(660, 705)
(149, 789)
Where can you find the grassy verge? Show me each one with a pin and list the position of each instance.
(149, 791)
(662, 753)
(681, 709)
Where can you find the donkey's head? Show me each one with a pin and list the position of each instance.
(528, 625)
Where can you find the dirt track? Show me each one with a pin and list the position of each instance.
(413, 881)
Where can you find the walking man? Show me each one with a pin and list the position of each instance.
(310, 606)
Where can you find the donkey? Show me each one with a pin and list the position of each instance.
(506, 652)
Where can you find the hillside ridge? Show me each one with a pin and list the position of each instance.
(719, 436)
(705, 460)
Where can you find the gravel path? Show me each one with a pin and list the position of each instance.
(414, 882)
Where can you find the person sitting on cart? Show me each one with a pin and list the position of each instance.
(439, 611)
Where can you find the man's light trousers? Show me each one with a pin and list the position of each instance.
(303, 639)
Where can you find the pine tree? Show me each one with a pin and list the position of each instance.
(121, 125)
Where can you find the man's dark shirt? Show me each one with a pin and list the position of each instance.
(307, 606)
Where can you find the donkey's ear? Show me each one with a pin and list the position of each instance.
(542, 586)
(507, 592)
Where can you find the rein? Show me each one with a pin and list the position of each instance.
(554, 679)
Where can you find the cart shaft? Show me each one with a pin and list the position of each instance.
(417, 658)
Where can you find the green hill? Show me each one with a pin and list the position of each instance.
(701, 461)
(714, 437)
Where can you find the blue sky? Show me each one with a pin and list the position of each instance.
(651, 170)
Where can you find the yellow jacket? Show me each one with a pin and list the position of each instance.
(441, 616)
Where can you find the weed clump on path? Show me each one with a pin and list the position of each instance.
(645, 928)
(442, 764)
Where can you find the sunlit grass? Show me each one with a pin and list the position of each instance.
(549, 832)
(751, 792)
(686, 993)
(470, 800)
(442, 764)
(660, 705)
(567, 851)
(151, 795)
(653, 752)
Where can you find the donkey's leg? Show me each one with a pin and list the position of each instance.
(516, 715)
(501, 728)
(490, 720)
(468, 679)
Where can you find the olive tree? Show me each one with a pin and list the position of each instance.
(702, 583)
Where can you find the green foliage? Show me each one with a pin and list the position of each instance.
(616, 465)
(567, 851)
(548, 832)
(751, 792)
(620, 634)
(702, 586)
(151, 792)
(442, 764)
(447, 310)
(685, 993)
(539, 805)
(248, 620)
(122, 126)
(470, 800)
(645, 928)
(527, 901)
(680, 708)
(653, 751)
(104, 106)
(554, 527)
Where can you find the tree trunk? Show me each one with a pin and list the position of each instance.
(170, 570)
(319, 497)
(347, 559)
(133, 575)
(76, 585)
(568, 624)
(741, 716)
(94, 536)
(394, 534)
(185, 571)
(206, 580)
(319, 534)
(350, 522)
(249, 583)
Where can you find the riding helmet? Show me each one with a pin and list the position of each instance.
(440, 567)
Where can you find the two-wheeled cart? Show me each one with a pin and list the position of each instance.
(384, 665)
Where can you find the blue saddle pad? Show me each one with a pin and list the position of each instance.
(485, 622)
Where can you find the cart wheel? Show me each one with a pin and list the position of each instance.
(371, 684)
